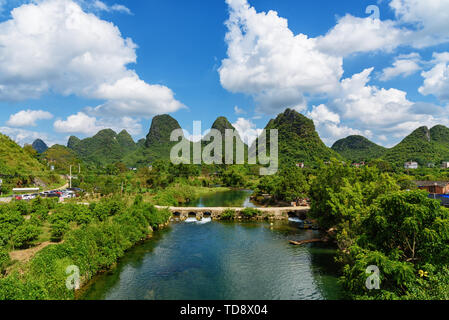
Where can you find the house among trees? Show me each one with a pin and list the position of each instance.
(358, 165)
(445, 165)
(300, 165)
(411, 165)
(434, 187)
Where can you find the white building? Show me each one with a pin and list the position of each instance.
(445, 165)
(411, 165)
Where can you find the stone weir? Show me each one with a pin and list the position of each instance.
(281, 213)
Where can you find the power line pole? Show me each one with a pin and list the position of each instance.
(70, 177)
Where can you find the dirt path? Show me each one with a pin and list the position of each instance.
(27, 254)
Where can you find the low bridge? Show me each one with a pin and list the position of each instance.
(280, 213)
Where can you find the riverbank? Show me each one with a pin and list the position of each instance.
(92, 247)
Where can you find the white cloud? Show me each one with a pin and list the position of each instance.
(77, 123)
(239, 111)
(100, 5)
(28, 118)
(267, 61)
(328, 125)
(84, 124)
(247, 130)
(322, 114)
(23, 136)
(430, 19)
(353, 35)
(436, 80)
(132, 96)
(53, 45)
(402, 66)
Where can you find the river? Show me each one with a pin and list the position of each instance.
(222, 261)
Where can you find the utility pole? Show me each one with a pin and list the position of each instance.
(70, 177)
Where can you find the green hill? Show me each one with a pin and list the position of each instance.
(61, 158)
(18, 168)
(299, 140)
(104, 148)
(157, 144)
(422, 145)
(40, 146)
(222, 124)
(358, 148)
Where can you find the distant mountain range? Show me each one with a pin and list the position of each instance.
(424, 145)
(298, 142)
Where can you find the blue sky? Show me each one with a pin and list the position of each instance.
(74, 67)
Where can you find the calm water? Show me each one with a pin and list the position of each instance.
(232, 198)
(223, 261)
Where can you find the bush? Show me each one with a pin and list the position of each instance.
(250, 212)
(4, 260)
(228, 214)
(24, 235)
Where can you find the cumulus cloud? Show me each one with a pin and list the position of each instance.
(36, 57)
(430, 19)
(270, 63)
(28, 118)
(436, 80)
(354, 35)
(280, 69)
(329, 127)
(247, 130)
(403, 65)
(82, 123)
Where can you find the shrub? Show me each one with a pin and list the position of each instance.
(24, 235)
(250, 212)
(228, 214)
(4, 260)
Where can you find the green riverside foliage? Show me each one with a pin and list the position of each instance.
(250, 212)
(102, 235)
(358, 148)
(288, 185)
(228, 214)
(404, 233)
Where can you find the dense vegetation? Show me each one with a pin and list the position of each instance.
(94, 237)
(358, 148)
(104, 148)
(19, 167)
(403, 233)
(298, 140)
(423, 145)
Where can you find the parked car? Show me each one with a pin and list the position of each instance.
(52, 195)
